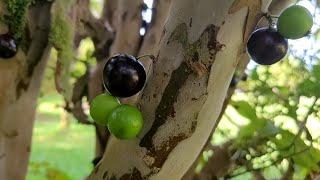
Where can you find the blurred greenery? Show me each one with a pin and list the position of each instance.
(59, 154)
(272, 120)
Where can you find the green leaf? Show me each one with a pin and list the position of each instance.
(245, 109)
(268, 130)
(316, 72)
(298, 151)
(309, 88)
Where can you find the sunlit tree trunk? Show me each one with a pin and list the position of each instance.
(201, 44)
(19, 88)
(275, 8)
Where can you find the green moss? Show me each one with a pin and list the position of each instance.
(16, 16)
(61, 37)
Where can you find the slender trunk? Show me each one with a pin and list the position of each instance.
(182, 101)
(19, 87)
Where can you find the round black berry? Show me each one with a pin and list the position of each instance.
(124, 76)
(266, 46)
(8, 46)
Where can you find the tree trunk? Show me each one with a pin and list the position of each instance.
(181, 103)
(19, 87)
(275, 8)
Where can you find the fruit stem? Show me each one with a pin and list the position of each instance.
(273, 16)
(147, 55)
(270, 18)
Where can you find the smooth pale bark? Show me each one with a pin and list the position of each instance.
(127, 22)
(19, 87)
(198, 54)
(151, 40)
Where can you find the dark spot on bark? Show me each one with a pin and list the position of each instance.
(11, 134)
(170, 95)
(28, 149)
(213, 44)
(124, 16)
(195, 56)
(162, 153)
(154, 95)
(190, 22)
(2, 156)
(134, 175)
(105, 175)
(113, 177)
(165, 74)
(173, 112)
(223, 22)
(21, 87)
(193, 126)
(194, 99)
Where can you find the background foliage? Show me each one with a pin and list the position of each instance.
(271, 126)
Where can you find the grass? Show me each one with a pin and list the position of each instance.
(59, 154)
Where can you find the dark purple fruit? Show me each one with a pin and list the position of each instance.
(8, 46)
(266, 46)
(124, 76)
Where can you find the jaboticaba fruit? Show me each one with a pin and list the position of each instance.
(8, 46)
(266, 46)
(124, 75)
(101, 106)
(295, 22)
(125, 122)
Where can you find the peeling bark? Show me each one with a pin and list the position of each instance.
(275, 8)
(185, 93)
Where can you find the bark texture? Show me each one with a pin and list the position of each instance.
(275, 8)
(198, 54)
(19, 87)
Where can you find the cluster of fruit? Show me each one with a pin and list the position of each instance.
(123, 76)
(268, 45)
(8, 46)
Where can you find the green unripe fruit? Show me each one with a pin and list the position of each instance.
(125, 122)
(101, 107)
(295, 22)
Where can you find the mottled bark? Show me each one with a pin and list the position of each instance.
(19, 87)
(275, 8)
(181, 103)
